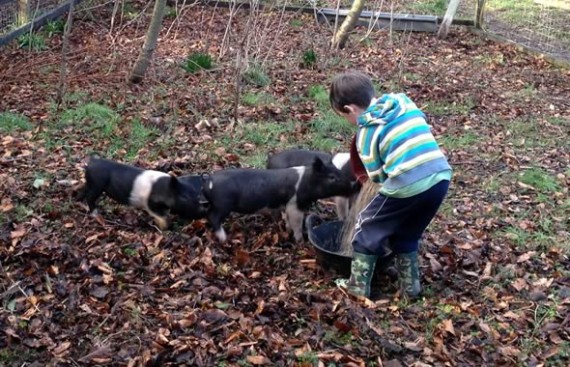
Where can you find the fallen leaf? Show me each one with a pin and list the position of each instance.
(100, 292)
(448, 326)
(509, 351)
(413, 346)
(519, 284)
(555, 338)
(551, 352)
(61, 349)
(257, 360)
(525, 257)
(38, 182)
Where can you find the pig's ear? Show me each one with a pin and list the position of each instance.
(318, 164)
(174, 183)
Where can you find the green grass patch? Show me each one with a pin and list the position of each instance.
(255, 160)
(308, 358)
(94, 118)
(528, 14)
(197, 61)
(319, 94)
(449, 108)
(10, 122)
(458, 142)
(492, 184)
(140, 136)
(429, 7)
(330, 124)
(255, 75)
(328, 130)
(264, 134)
(54, 27)
(309, 59)
(32, 42)
(170, 12)
(540, 180)
(296, 23)
(257, 99)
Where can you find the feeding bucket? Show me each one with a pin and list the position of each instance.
(325, 238)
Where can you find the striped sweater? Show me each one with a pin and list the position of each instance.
(395, 143)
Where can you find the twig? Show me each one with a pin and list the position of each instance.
(64, 50)
(13, 289)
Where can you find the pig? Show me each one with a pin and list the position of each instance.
(196, 182)
(247, 190)
(298, 157)
(153, 191)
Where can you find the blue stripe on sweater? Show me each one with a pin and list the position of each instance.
(399, 121)
(412, 133)
(427, 147)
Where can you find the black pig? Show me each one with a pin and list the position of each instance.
(246, 190)
(156, 192)
(300, 157)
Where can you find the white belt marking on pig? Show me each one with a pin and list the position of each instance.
(294, 215)
(221, 234)
(340, 159)
(342, 204)
(142, 187)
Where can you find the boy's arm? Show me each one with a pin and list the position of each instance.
(373, 169)
(357, 167)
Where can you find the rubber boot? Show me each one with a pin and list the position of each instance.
(361, 273)
(409, 274)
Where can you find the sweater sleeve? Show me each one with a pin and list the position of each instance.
(372, 161)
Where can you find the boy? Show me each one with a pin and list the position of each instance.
(395, 145)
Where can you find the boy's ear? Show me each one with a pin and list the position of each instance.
(350, 109)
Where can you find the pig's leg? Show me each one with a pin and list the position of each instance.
(158, 212)
(284, 216)
(295, 219)
(341, 207)
(216, 218)
(91, 196)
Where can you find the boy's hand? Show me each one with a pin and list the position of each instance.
(357, 166)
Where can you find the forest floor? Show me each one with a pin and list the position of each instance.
(75, 291)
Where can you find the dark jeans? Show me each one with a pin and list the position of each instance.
(396, 224)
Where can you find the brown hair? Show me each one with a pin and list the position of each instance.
(351, 87)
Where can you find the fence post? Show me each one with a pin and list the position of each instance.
(479, 14)
(23, 11)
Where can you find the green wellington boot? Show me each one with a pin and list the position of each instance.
(409, 274)
(361, 273)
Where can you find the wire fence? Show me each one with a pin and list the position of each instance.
(15, 13)
(543, 25)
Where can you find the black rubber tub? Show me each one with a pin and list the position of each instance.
(324, 236)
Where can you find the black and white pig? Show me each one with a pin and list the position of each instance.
(247, 190)
(156, 192)
(299, 157)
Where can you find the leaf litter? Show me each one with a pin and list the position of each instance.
(116, 291)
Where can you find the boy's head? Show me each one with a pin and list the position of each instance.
(351, 93)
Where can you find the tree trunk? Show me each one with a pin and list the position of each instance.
(64, 52)
(341, 35)
(150, 42)
(448, 18)
(480, 14)
(23, 11)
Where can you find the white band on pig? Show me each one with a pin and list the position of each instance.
(142, 187)
(221, 234)
(340, 159)
(301, 171)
